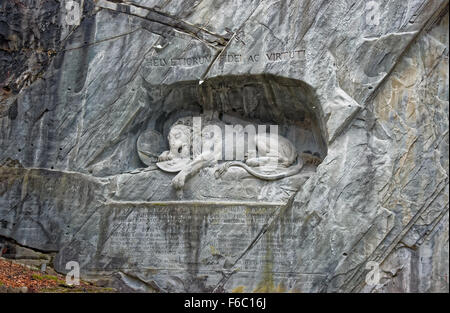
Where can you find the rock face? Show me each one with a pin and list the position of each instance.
(359, 88)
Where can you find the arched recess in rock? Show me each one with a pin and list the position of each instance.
(290, 104)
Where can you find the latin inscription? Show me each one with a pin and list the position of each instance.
(229, 58)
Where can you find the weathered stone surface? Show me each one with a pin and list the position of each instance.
(368, 99)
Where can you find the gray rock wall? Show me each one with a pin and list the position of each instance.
(365, 86)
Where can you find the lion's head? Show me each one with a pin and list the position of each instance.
(180, 141)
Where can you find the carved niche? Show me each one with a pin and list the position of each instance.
(280, 160)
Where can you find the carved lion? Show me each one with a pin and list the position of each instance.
(178, 157)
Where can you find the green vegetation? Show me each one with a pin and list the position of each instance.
(37, 277)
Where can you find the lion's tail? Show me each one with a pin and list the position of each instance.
(289, 172)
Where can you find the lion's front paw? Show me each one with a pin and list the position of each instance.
(165, 156)
(179, 180)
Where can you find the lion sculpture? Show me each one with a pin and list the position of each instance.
(178, 158)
